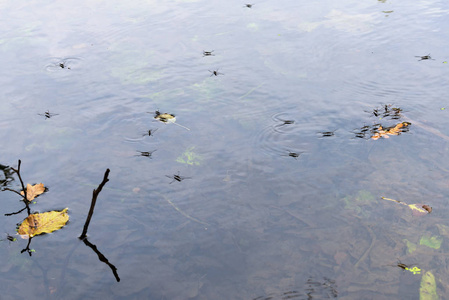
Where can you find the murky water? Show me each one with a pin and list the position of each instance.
(274, 189)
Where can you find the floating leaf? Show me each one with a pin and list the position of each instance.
(431, 241)
(417, 208)
(167, 118)
(396, 130)
(427, 208)
(46, 222)
(33, 191)
(428, 289)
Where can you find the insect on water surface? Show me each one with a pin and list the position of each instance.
(215, 73)
(177, 177)
(208, 53)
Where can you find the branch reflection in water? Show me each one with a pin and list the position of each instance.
(102, 258)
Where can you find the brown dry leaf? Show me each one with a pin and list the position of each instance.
(396, 130)
(34, 190)
(428, 208)
(46, 222)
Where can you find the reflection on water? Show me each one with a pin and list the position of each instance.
(102, 258)
(285, 115)
(6, 176)
(313, 289)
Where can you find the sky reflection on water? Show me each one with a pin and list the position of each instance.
(283, 197)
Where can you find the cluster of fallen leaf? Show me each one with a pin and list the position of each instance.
(394, 130)
(39, 223)
(377, 131)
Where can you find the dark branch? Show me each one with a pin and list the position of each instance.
(11, 190)
(28, 247)
(16, 213)
(94, 201)
(25, 199)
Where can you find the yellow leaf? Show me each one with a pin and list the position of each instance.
(34, 190)
(39, 223)
(417, 209)
(165, 117)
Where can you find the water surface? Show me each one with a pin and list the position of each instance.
(283, 199)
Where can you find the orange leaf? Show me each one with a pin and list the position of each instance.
(33, 191)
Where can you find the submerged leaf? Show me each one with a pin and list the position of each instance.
(33, 191)
(443, 230)
(360, 203)
(189, 157)
(39, 223)
(428, 289)
(411, 247)
(431, 241)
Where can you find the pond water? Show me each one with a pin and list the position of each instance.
(270, 190)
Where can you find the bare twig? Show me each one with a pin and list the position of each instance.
(25, 199)
(94, 201)
(27, 249)
(11, 190)
(16, 213)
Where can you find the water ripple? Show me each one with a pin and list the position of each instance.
(281, 137)
(57, 64)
